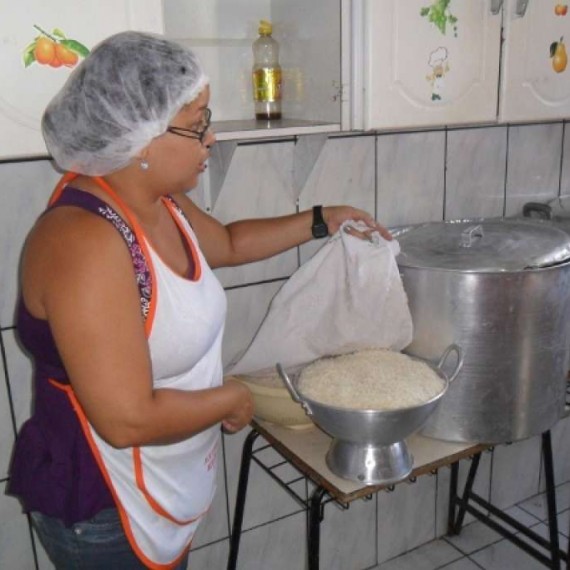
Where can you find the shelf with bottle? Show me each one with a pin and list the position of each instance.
(313, 71)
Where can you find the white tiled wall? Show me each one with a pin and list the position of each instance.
(410, 178)
(15, 538)
(410, 509)
(25, 187)
(257, 191)
(533, 166)
(520, 463)
(475, 187)
(348, 537)
(400, 177)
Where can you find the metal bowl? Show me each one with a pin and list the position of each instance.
(368, 445)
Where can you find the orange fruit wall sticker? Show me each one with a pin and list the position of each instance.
(558, 56)
(53, 49)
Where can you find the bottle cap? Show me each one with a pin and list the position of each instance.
(265, 28)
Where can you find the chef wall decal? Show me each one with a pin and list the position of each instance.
(439, 14)
(438, 61)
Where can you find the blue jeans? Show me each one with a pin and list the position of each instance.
(95, 544)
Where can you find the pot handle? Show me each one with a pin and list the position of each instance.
(292, 390)
(544, 211)
(459, 352)
(470, 234)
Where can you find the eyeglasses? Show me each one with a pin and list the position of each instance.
(192, 134)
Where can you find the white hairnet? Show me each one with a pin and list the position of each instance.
(122, 95)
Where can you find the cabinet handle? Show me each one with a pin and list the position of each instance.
(520, 10)
(496, 6)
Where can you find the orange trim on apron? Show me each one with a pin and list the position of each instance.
(67, 177)
(68, 390)
(155, 505)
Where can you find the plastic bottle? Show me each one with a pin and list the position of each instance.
(266, 74)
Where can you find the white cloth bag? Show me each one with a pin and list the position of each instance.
(348, 296)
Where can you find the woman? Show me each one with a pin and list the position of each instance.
(117, 463)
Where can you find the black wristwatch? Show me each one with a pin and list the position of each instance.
(319, 227)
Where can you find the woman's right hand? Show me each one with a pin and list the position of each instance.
(243, 410)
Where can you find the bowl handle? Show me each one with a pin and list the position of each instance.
(291, 389)
(459, 352)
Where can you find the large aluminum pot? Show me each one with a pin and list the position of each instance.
(501, 290)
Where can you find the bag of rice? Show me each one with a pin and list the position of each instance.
(347, 297)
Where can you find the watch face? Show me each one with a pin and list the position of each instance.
(320, 230)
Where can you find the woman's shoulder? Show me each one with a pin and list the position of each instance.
(66, 234)
(72, 228)
(69, 249)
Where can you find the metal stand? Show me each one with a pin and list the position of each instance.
(246, 455)
(458, 506)
(291, 449)
(316, 515)
(314, 506)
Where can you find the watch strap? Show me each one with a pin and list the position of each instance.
(319, 228)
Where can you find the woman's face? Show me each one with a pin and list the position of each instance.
(180, 154)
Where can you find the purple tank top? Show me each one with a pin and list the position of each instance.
(53, 470)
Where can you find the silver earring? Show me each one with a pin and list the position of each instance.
(144, 165)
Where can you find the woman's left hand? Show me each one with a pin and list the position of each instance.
(335, 216)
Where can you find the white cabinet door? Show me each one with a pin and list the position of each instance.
(535, 76)
(429, 62)
(31, 75)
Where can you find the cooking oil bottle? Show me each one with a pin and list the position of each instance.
(266, 74)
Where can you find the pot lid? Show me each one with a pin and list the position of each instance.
(484, 245)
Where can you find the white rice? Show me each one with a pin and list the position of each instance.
(374, 379)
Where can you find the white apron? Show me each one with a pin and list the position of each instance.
(162, 491)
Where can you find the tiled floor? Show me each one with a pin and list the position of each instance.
(478, 546)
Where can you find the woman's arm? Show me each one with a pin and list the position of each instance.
(245, 241)
(90, 298)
